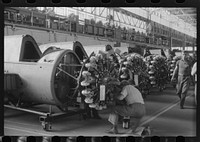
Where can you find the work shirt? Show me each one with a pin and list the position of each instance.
(194, 70)
(131, 95)
(184, 68)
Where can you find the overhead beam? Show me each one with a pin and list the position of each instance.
(178, 8)
(186, 14)
(120, 10)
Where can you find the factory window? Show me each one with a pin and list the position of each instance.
(81, 16)
(30, 52)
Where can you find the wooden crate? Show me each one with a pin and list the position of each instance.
(101, 31)
(90, 29)
(73, 26)
(150, 40)
(80, 28)
(124, 35)
(87, 21)
(137, 37)
(63, 26)
(109, 32)
(95, 30)
(159, 41)
(54, 26)
(118, 33)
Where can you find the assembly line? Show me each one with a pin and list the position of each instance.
(65, 78)
(94, 80)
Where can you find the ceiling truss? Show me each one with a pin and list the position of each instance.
(188, 15)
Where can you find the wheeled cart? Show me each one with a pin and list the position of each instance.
(46, 118)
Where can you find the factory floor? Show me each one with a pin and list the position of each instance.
(164, 117)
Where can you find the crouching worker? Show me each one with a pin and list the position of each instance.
(133, 106)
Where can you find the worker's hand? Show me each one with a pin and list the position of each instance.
(130, 81)
(111, 103)
(173, 79)
(120, 102)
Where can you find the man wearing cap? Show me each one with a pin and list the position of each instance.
(183, 72)
(133, 106)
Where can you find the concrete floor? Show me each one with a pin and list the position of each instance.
(164, 117)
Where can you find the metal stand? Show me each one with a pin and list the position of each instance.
(46, 118)
(46, 122)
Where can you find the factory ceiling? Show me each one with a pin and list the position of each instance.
(188, 15)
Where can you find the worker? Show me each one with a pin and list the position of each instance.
(127, 75)
(182, 71)
(194, 59)
(194, 56)
(194, 73)
(133, 105)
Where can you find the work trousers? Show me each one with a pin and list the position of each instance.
(183, 85)
(136, 111)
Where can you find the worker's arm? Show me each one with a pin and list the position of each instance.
(122, 95)
(194, 69)
(175, 73)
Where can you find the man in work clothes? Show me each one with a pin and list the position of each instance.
(194, 73)
(183, 72)
(134, 106)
